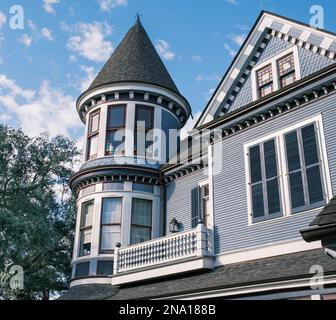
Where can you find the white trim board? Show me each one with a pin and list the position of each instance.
(270, 250)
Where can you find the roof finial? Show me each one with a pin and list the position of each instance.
(138, 16)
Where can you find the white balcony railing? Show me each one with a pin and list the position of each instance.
(179, 246)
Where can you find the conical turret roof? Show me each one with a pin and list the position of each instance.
(135, 60)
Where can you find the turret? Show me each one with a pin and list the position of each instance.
(128, 111)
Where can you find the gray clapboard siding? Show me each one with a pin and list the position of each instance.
(179, 197)
(232, 231)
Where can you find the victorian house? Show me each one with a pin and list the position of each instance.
(220, 214)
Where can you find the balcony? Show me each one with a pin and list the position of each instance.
(177, 253)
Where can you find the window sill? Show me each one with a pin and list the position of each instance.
(310, 211)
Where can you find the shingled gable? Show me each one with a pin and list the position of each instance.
(135, 60)
(268, 25)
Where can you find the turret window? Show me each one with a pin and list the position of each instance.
(86, 228)
(115, 135)
(141, 229)
(93, 134)
(144, 123)
(110, 224)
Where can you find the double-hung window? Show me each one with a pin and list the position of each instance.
(141, 225)
(264, 181)
(110, 224)
(93, 135)
(265, 81)
(304, 169)
(86, 228)
(115, 130)
(287, 174)
(144, 124)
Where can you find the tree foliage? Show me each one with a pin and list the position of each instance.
(37, 211)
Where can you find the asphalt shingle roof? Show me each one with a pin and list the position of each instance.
(279, 268)
(327, 215)
(135, 60)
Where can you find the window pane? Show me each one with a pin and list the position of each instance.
(145, 114)
(110, 236)
(266, 90)
(293, 155)
(286, 65)
(287, 80)
(143, 187)
(265, 76)
(140, 234)
(93, 146)
(114, 142)
(273, 196)
(309, 145)
(142, 212)
(258, 201)
(116, 117)
(86, 236)
(111, 211)
(296, 189)
(113, 186)
(315, 185)
(270, 159)
(82, 269)
(255, 164)
(94, 123)
(87, 215)
(104, 268)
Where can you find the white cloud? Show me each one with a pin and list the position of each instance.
(26, 40)
(3, 19)
(211, 77)
(189, 125)
(48, 5)
(32, 25)
(90, 75)
(49, 109)
(233, 2)
(108, 5)
(209, 94)
(46, 33)
(196, 58)
(5, 117)
(89, 40)
(230, 51)
(164, 50)
(238, 38)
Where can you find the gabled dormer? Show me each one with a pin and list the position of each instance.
(276, 53)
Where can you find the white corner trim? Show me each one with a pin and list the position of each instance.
(234, 73)
(271, 250)
(266, 22)
(286, 28)
(248, 50)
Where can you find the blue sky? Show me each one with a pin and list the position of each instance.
(45, 66)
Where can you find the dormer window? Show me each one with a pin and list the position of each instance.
(276, 73)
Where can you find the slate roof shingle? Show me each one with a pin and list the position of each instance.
(135, 60)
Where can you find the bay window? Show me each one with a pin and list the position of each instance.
(115, 130)
(141, 224)
(86, 228)
(110, 224)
